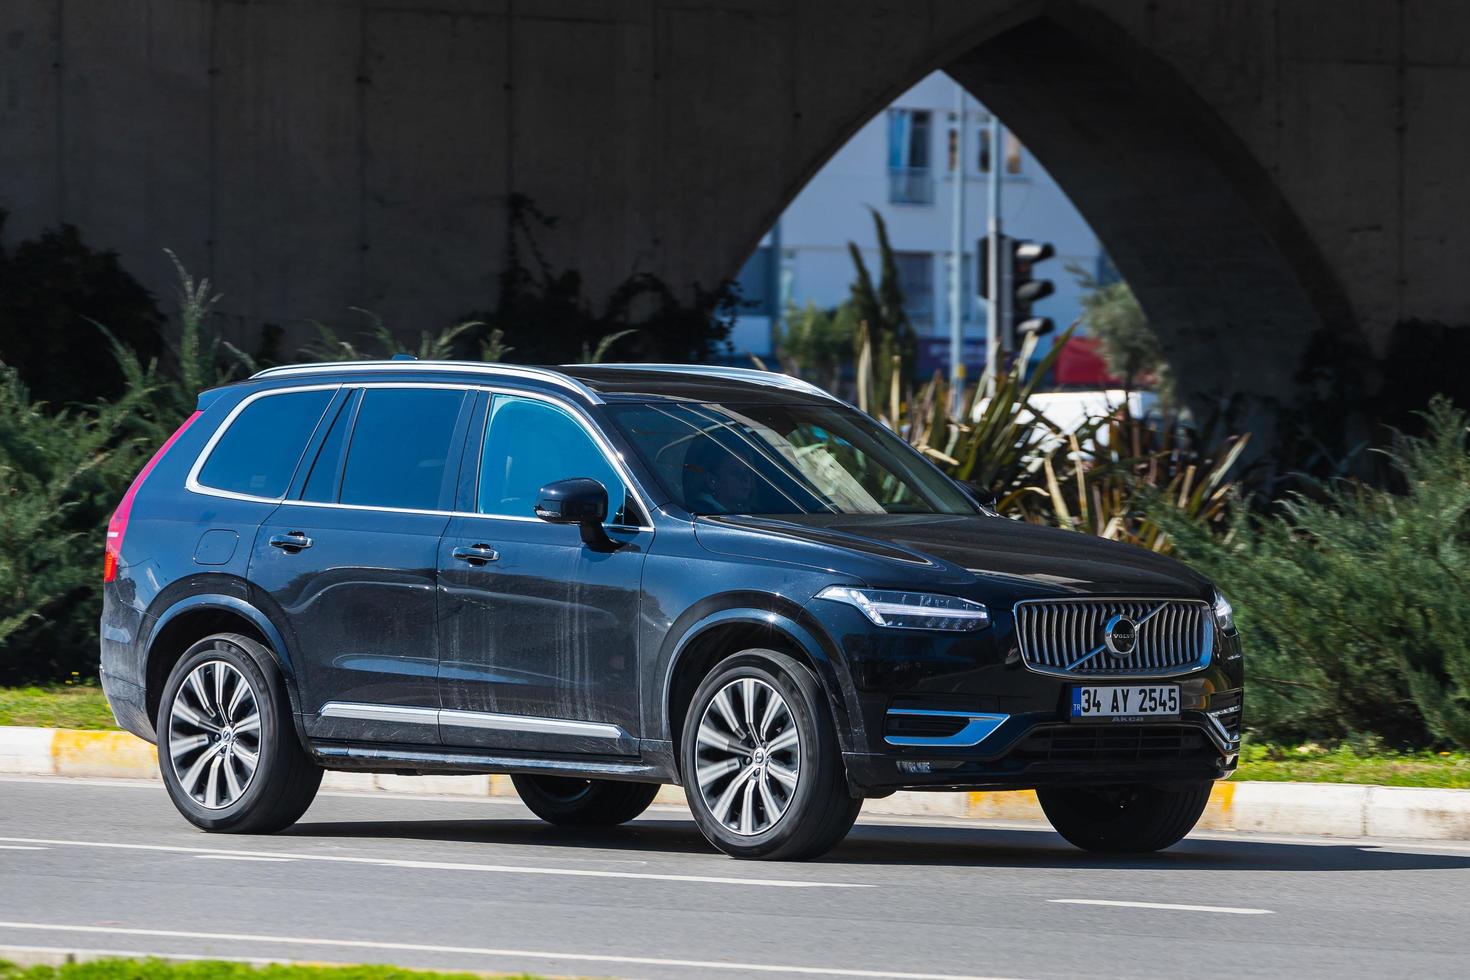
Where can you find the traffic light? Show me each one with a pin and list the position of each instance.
(1026, 288)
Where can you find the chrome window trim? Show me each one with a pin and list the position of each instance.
(406, 714)
(771, 379)
(1207, 652)
(612, 456)
(459, 367)
(982, 725)
(191, 482)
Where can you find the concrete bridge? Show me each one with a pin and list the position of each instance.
(1264, 172)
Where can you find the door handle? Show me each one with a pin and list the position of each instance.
(291, 542)
(476, 555)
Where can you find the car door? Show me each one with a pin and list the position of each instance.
(349, 559)
(539, 630)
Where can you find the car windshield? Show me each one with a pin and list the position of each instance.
(784, 459)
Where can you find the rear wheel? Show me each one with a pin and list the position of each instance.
(227, 749)
(761, 764)
(1125, 819)
(574, 802)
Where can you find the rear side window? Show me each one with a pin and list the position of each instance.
(321, 485)
(259, 451)
(399, 454)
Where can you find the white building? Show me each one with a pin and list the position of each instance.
(900, 165)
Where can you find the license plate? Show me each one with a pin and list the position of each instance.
(1122, 703)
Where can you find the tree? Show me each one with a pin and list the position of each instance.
(1130, 348)
(880, 314)
(817, 343)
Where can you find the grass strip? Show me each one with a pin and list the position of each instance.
(155, 969)
(1314, 763)
(60, 706)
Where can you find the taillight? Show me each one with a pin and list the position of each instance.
(117, 526)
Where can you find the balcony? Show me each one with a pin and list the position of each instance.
(910, 185)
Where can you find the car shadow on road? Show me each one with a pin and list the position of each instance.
(917, 845)
(1015, 848)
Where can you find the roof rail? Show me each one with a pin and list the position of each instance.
(753, 375)
(459, 367)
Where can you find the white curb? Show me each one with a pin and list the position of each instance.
(1325, 809)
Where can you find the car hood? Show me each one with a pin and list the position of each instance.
(943, 549)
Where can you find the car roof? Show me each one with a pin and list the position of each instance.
(593, 383)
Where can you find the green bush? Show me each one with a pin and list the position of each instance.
(61, 474)
(1355, 607)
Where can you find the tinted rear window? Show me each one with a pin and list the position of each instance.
(322, 484)
(400, 451)
(259, 451)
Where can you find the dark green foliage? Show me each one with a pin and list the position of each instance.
(1356, 607)
(881, 314)
(53, 292)
(817, 344)
(61, 474)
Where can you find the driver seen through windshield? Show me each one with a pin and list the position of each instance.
(784, 459)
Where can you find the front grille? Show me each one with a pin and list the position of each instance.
(1066, 636)
(1105, 743)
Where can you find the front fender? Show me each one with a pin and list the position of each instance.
(786, 622)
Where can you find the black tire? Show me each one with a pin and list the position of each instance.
(819, 810)
(285, 779)
(571, 802)
(1125, 819)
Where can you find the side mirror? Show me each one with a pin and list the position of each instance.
(980, 493)
(580, 501)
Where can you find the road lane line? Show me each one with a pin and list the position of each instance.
(239, 857)
(20, 847)
(490, 952)
(512, 869)
(1161, 905)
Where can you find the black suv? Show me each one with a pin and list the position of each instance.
(603, 578)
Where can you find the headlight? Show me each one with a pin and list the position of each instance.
(1224, 614)
(912, 610)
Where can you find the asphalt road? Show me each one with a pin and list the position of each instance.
(482, 885)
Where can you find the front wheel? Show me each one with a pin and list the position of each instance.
(760, 761)
(571, 802)
(1124, 819)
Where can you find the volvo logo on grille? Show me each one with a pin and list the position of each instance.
(1120, 636)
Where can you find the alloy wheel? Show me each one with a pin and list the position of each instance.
(214, 734)
(748, 756)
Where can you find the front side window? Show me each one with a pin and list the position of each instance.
(258, 453)
(530, 443)
(401, 452)
(784, 459)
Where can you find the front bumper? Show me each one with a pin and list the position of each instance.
(965, 711)
(1045, 752)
